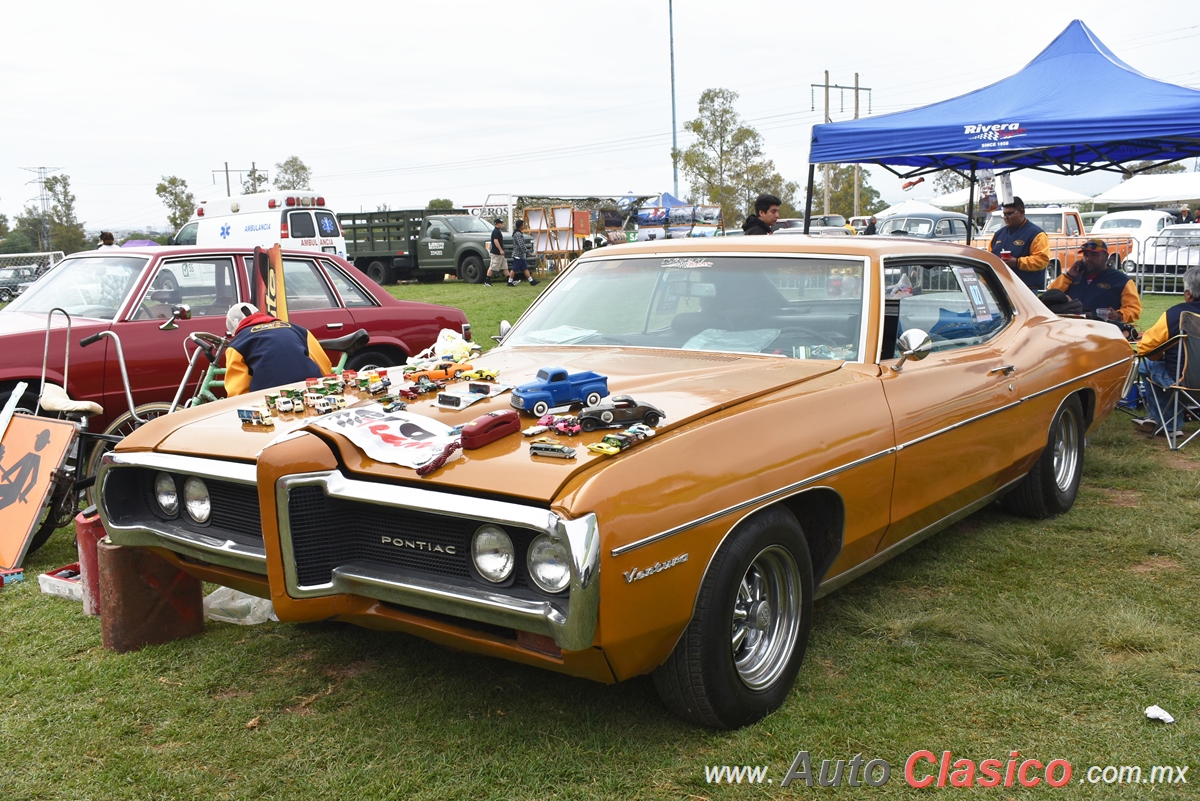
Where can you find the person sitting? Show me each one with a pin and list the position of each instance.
(267, 352)
(1163, 369)
(1104, 291)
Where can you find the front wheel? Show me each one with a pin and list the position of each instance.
(122, 426)
(651, 419)
(5, 295)
(1051, 486)
(472, 270)
(166, 280)
(540, 408)
(738, 658)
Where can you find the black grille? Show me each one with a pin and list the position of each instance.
(329, 532)
(234, 508)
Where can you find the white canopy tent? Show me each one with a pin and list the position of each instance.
(1032, 191)
(1154, 189)
(907, 207)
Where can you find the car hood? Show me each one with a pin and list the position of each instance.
(687, 386)
(18, 322)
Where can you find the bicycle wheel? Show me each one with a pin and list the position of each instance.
(59, 511)
(122, 426)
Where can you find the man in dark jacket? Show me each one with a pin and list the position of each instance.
(766, 214)
(1023, 246)
(1164, 370)
(267, 352)
(1099, 287)
(870, 229)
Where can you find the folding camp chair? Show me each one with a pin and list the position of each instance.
(1185, 392)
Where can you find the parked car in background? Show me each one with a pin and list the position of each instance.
(115, 290)
(1140, 226)
(11, 279)
(830, 220)
(291, 219)
(1089, 219)
(1064, 228)
(811, 433)
(860, 223)
(1167, 257)
(817, 230)
(947, 225)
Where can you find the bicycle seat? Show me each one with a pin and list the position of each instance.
(55, 399)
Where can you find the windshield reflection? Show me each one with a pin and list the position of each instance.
(84, 287)
(800, 308)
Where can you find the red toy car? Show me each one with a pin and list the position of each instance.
(131, 292)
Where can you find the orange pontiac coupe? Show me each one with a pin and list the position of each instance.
(829, 403)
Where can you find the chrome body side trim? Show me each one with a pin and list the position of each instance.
(572, 624)
(1062, 384)
(168, 534)
(841, 579)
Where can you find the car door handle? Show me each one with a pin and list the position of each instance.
(336, 326)
(1005, 370)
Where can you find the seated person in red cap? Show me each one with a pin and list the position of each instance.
(1099, 287)
(268, 352)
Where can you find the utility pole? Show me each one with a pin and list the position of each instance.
(252, 172)
(674, 126)
(825, 168)
(43, 200)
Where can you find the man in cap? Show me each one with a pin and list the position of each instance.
(267, 352)
(499, 264)
(1022, 246)
(1099, 287)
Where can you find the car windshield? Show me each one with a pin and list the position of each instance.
(84, 287)
(912, 226)
(1120, 222)
(469, 225)
(804, 307)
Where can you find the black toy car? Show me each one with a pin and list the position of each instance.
(618, 412)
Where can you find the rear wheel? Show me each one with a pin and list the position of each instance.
(380, 273)
(471, 270)
(1051, 486)
(122, 426)
(166, 280)
(5, 295)
(738, 658)
(592, 399)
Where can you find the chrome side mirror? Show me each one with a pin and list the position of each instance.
(180, 311)
(913, 344)
(505, 326)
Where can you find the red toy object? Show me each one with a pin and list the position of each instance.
(489, 428)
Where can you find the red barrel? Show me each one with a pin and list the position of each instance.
(147, 600)
(88, 532)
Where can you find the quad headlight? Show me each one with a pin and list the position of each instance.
(166, 494)
(196, 500)
(493, 553)
(549, 563)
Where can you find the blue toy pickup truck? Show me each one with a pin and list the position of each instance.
(555, 387)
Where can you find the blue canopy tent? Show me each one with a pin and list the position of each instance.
(1036, 119)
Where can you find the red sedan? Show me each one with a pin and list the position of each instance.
(131, 291)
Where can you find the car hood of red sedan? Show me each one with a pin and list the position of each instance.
(685, 385)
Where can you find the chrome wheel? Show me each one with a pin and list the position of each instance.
(766, 617)
(1066, 450)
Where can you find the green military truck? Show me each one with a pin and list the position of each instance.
(427, 245)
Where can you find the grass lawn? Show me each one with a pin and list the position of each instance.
(485, 307)
(999, 634)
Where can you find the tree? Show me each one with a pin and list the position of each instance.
(440, 204)
(255, 182)
(3, 225)
(948, 181)
(179, 201)
(841, 192)
(19, 241)
(726, 165)
(292, 173)
(1151, 168)
(66, 231)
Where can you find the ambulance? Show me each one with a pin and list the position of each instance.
(294, 219)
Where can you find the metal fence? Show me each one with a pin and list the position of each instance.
(39, 262)
(1163, 262)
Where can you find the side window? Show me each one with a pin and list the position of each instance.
(943, 228)
(187, 234)
(300, 225)
(958, 227)
(1072, 226)
(305, 287)
(434, 225)
(957, 305)
(207, 285)
(352, 296)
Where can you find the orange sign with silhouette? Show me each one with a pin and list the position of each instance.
(31, 450)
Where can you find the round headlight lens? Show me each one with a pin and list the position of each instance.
(549, 564)
(492, 551)
(196, 500)
(166, 494)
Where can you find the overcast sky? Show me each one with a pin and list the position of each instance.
(399, 102)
